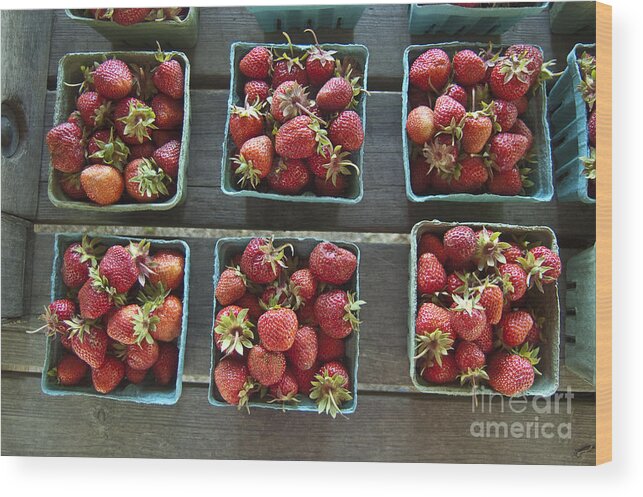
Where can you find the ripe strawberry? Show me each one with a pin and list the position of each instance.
(468, 318)
(127, 17)
(460, 243)
(233, 331)
(113, 79)
(55, 315)
(168, 76)
(331, 163)
(591, 128)
(74, 118)
(288, 70)
(514, 327)
(468, 356)
(231, 286)
(161, 136)
(108, 375)
(533, 338)
(254, 161)
(168, 112)
(447, 372)
(534, 56)
(419, 125)
(520, 128)
(433, 333)
(168, 268)
(265, 366)
(105, 148)
(510, 374)
(134, 120)
(320, 64)
(431, 70)
(169, 313)
(447, 111)
(305, 378)
(261, 261)
(233, 381)
(431, 276)
(70, 370)
(473, 175)
(303, 352)
(346, 131)
(65, 147)
(468, 68)
(304, 284)
(165, 367)
(289, 176)
(522, 104)
(332, 264)
(486, 339)
(95, 297)
(492, 299)
(143, 150)
(507, 149)
(306, 314)
(256, 91)
(433, 244)
(504, 113)
(329, 349)
(417, 98)
(514, 281)
(476, 131)
(326, 188)
(94, 109)
(103, 184)
(331, 388)
(337, 313)
(131, 324)
(78, 259)
(145, 181)
(142, 356)
(167, 158)
(285, 389)
(457, 93)
(245, 122)
(335, 95)
(277, 329)
(506, 183)
(250, 302)
(135, 376)
(88, 342)
(288, 100)
(70, 185)
(542, 265)
(296, 139)
(510, 78)
(120, 268)
(256, 64)
(458, 282)
(276, 294)
(513, 252)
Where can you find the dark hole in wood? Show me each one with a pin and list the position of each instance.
(10, 129)
(278, 24)
(339, 23)
(571, 285)
(569, 339)
(571, 311)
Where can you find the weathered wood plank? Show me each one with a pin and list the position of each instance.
(385, 427)
(16, 234)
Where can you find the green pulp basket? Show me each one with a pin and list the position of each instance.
(170, 34)
(580, 318)
(146, 392)
(457, 20)
(224, 250)
(573, 17)
(285, 17)
(69, 72)
(547, 302)
(569, 138)
(535, 118)
(229, 186)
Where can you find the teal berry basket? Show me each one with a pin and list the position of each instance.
(569, 138)
(454, 20)
(146, 392)
(224, 250)
(580, 318)
(355, 190)
(285, 17)
(573, 17)
(547, 304)
(170, 34)
(69, 72)
(535, 118)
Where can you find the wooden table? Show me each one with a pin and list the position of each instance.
(392, 422)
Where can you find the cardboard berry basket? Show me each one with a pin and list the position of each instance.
(224, 250)
(229, 186)
(569, 136)
(69, 72)
(170, 34)
(580, 316)
(445, 18)
(535, 118)
(572, 17)
(285, 17)
(146, 392)
(547, 303)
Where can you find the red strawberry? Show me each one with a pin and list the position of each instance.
(168, 269)
(289, 176)
(95, 296)
(303, 352)
(505, 114)
(417, 98)
(431, 243)
(331, 388)
(468, 68)
(431, 276)
(521, 128)
(233, 381)
(346, 131)
(170, 319)
(476, 131)
(168, 76)
(329, 349)
(261, 261)
(233, 331)
(446, 372)
(256, 64)
(473, 175)
(306, 314)
(288, 70)
(320, 63)
(285, 389)
(135, 376)
(336, 311)
(88, 343)
(131, 324)
(486, 339)
(120, 267)
(468, 356)
(127, 17)
(142, 356)
(420, 125)
(134, 120)
(78, 259)
(277, 329)
(275, 294)
(250, 302)
(161, 136)
(457, 93)
(94, 109)
(447, 111)
(165, 368)
(458, 282)
(70, 370)
(141, 150)
(326, 188)
(434, 335)
(55, 315)
(335, 95)
(513, 252)
(65, 147)
(74, 118)
(515, 281)
(145, 181)
(254, 161)
(305, 284)
(331, 163)
(533, 54)
(113, 79)
(507, 149)
(468, 319)
(522, 104)
(510, 78)
(332, 264)
(510, 374)
(231, 286)
(256, 91)
(168, 112)
(431, 70)
(265, 366)
(105, 148)
(245, 122)
(514, 327)
(492, 299)
(287, 101)
(108, 375)
(460, 243)
(305, 378)
(533, 338)
(506, 183)
(103, 184)
(70, 184)
(167, 158)
(591, 128)
(297, 139)
(542, 265)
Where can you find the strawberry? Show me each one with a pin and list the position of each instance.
(510, 78)
(299, 138)
(447, 111)
(78, 259)
(522, 104)
(127, 17)
(468, 68)
(168, 76)
(507, 149)
(431, 276)
(96, 297)
(513, 252)
(161, 136)
(514, 327)
(331, 388)
(542, 265)
(134, 120)
(288, 100)
(65, 147)
(486, 339)
(433, 333)
(277, 329)
(261, 261)
(245, 122)
(534, 56)
(512, 374)
(256, 91)
(514, 281)
(105, 148)
(145, 181)
(108, 375)
(103, 184)
(135, 376)
(142, 356)
(55, 316)
(233, 331)
(254, 161)
(419, 125)
(141, 150)
(468, 356)
(447, 372)
(329, 349)
(113, 79)
(337, 313)
(326, 188)
(504, 113)
(287, 67)
(534, 336)
(70, 185)
(492, 299)
(286, 389)
(303, 352)
(476, 131)
(335, 95)
(74, 118)
(306, 314)
(320, 63)
(458, 283)
(166, 309)
(250, 302)
(231, 286)
(304, 284)
(457, 93)
(168, 112)
(431, 70)
(330, 163)
(489, 249)
(120, 268)
(168, 268)
(305, 378)
(276, 294)
(289, 176)
(473, 175)
(430, 243)
(460, 243)
(88, 342)
(233, 381)
(70, 370)
(417, 98)
(167, 158)
(94, 109)
(131, 324)
(346, 131)
(165, 368)
(468, 318)
(332, 264)
(265, 366)
(506, 183)
(591, 128)
(256, 64)
(520, 128)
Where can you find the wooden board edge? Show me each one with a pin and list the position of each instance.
(604, 235)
